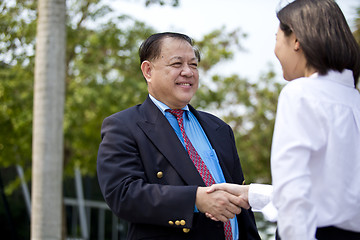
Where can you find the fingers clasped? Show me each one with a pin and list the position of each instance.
(237, 197)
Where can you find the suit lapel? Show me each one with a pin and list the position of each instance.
(213, 133)
(161, 134)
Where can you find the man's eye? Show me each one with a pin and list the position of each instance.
(193, 65)
(177, 64)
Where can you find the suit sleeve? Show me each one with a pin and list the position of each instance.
(125, 183)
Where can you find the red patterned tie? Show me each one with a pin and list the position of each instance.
(199, 163)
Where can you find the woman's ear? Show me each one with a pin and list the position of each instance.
(297, 45)
(146, 70)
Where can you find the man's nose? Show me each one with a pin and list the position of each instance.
(187, 71)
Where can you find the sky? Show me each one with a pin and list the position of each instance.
(256, 18)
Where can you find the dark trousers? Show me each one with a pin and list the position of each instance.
(332, 233)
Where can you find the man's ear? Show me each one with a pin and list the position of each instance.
(146, 69)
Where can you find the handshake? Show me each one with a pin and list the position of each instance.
(221, 202)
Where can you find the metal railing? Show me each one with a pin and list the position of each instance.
(83, 220)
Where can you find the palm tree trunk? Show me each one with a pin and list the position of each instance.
(49, 94)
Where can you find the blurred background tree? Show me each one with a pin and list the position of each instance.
(103, 77)
(357, 26)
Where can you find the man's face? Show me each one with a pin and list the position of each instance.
(173, 77)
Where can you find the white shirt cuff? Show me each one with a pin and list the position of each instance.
(260, 196)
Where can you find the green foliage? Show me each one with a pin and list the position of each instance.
(218, 45)
(16, 100)
(357, 25)
(173, 3)
(102, 78)
(16, 74)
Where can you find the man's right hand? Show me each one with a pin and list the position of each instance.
(221, 205)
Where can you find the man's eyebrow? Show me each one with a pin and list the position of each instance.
(180, 58)
(176, 58)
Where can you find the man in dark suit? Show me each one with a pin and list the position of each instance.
(156, 159)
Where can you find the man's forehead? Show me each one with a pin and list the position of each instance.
(173, 44)
(176, 49)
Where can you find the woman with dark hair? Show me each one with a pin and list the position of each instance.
(315, 155)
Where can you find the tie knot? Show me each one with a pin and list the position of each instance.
(176, 112)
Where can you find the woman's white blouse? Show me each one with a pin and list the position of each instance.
(315, 155)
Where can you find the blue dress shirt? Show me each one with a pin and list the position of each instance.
(201, 144)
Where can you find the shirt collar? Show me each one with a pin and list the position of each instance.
(162, 106)
(345, 77)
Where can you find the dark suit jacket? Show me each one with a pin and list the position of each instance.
(148, 179)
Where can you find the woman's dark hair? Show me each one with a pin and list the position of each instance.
(150, 49)
(323, 34)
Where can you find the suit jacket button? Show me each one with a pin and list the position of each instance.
(182, 222)
(171, 223)
(159, 174)
(186, 230)
(177, 222)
